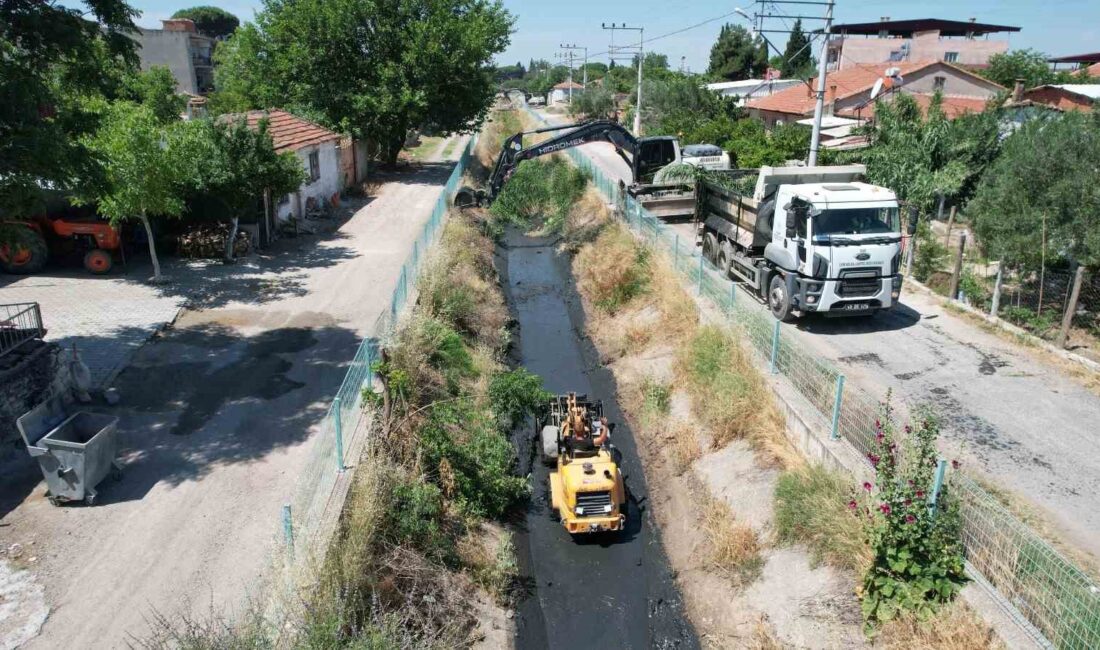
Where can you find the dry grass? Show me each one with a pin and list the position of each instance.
(588, 217)
(613, 270)
(730, 397)
(733, 547)
(763, 636)
(683, 446)
(488, 552)
(811, 508)
(956, 627)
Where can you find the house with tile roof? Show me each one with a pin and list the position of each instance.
(848, 91)
(317, 148)
(561, 93)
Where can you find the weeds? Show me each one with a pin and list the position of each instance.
(537, 189)
(955, 628)
(614, 269)
(811, 507)
(734, 546)
(684, 446)
(515, 394)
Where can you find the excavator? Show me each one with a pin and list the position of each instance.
(645, 156)
(587, 493)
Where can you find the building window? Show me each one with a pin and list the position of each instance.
(314, 166)
(951, 57)
(938, 83)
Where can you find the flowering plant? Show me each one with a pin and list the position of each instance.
(917, 552)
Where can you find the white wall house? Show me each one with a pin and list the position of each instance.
(559, 94)
(747, 89)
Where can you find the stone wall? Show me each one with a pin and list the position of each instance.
(28, 375)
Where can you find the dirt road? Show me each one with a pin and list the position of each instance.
(217, 417)
(606, 592)
(1007, 412)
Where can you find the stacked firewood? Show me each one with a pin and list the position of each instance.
(207, 241)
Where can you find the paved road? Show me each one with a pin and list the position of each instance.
(217, 419)
(607, 592)
(1015, 417)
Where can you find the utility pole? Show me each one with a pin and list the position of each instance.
(569, 56)
(636, 51)
(819, 105)
(771, 9)
(584, 69)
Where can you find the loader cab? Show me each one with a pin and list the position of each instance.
(653, 154)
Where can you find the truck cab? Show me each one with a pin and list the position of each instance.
(836, 248)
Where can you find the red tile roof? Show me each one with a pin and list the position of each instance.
(952, 106)
(566, 85)
(852, 80)
(1093, 70)
(288, 132)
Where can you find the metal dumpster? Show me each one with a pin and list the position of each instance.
(75, 451)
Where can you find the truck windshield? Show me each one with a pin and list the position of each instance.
(856, 221)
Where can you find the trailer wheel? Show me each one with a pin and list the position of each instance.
(779, 301)
(27, 253)
(710, 248)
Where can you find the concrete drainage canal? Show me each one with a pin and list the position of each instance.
(613, 591)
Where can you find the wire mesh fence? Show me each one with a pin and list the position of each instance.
(310, 516)
(1059, 602)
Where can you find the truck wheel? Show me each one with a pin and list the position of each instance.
(725, 259)
(98, 261)
(710, 248)
(26, 254)
(779, 300)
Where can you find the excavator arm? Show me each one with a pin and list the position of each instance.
(575, 135)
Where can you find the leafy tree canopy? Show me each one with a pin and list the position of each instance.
(1029, 65)
(51, 59)
(214, 22)
(737, 55)
(370, 68)
(155, 88)
(1046, 174)
(595, 102)
(920, 157)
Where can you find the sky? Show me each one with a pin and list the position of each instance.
(1057, 27)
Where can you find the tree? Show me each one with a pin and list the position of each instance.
(1044, 180)
(797, 62)
(595, 103)
(155, 88)
(370, 68)
(1029, 65)
(52, 59)
(146, 166)
(922, 157)
(737, 55)
(214, 22)
(241, 166)
(681, 105)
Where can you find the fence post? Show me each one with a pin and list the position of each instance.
(956, 275)
(1071, 308)
(835, 435)
(676, 253)
(912, 254)
(733, 292)
(700, 275)
(950, 223)
(996, 303)
(288, 529)
(941, 468)
(775, 346)
(339, 434)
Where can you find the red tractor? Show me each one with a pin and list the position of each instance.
(33, 242)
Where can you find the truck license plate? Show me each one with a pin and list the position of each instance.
(857, 306)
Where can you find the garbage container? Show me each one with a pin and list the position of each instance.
(75, 451)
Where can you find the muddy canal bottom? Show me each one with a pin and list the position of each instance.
(600, 592)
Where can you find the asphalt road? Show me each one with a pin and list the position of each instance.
(1018, 419)
(602, 592)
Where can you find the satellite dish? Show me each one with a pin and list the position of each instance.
(891, 79)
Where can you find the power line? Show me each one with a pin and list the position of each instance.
(673, 33)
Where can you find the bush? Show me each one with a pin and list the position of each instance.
(1026, 318)
(515, 394)
(615, 269)
(811, 508)
(917, 553)
(931, 254)
(975, 289)
(417, 518)
(543, 189)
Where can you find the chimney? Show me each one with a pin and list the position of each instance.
(810, 87)
(1018, 90)
(179, 25)
(832, 93)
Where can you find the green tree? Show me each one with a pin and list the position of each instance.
(371, 68)
(52, 58)
(737, 55)
(1044, 179)
(595, 103)
(797, 62)
(155, 88)
(148, 168)
(214, 22)
(681, 105)
(1029, 65)
(921, 157)
(242, 165)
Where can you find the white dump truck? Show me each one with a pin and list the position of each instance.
(808, 239)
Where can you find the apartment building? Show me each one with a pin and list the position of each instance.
(965, 43)
(179, 47)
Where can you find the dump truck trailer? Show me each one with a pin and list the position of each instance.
(807, 239)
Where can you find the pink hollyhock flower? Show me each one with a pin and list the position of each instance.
(852, 504)
(884, 508)
(867, 486)
(910, 519)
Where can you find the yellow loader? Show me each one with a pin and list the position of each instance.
(586, 485)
